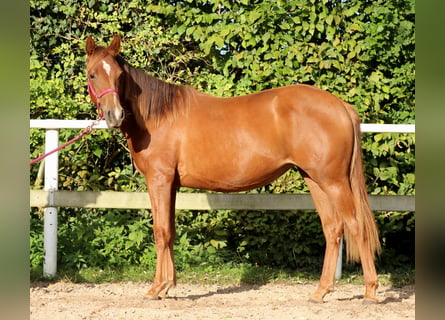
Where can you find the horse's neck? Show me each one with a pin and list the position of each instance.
(138, 138)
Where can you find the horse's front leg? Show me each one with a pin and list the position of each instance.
(162, 196)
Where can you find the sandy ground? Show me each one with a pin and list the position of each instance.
(69, 301)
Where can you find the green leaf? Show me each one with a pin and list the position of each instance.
(219, 41)
(284, 25)
(351, 11)
(375, 77)
(97, 152)
(329, 19)
(214, 243)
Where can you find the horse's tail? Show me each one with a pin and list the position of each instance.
(367, 227)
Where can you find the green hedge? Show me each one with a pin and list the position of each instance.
(285, 239)
(362, 51)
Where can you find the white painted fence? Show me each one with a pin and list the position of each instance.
(80, 124)
(50, 198)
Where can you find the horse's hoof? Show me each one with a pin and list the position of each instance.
(316, 300)
(369, 301)
(163, 296)
(151, 297)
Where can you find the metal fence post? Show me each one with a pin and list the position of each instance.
(50, 214)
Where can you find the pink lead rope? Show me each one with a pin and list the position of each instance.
(85, 131)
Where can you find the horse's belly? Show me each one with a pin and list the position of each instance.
(232, 178)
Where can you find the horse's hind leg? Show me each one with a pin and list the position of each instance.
(339, 194)
(333, 229)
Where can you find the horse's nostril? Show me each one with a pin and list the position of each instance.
(122, 114)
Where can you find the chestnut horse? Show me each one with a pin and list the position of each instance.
(179, 136)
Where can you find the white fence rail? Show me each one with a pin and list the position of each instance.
(201, 201)
(80, 124)
(50, 198)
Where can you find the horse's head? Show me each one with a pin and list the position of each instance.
(103, 73)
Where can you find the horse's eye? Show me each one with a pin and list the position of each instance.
(92, 76)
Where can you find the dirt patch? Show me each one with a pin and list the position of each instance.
(70, 301)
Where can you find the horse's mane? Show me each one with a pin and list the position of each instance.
(150, 98)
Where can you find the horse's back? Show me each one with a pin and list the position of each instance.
(247, 141)
(276, 118)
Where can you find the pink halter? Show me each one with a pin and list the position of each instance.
(92, 93)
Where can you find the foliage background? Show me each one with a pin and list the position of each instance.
(362, 51)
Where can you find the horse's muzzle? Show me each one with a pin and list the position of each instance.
(114, 118)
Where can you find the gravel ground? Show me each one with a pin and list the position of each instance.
(69, 301)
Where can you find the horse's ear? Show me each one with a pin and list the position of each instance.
(90, 46)
(115, 45)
